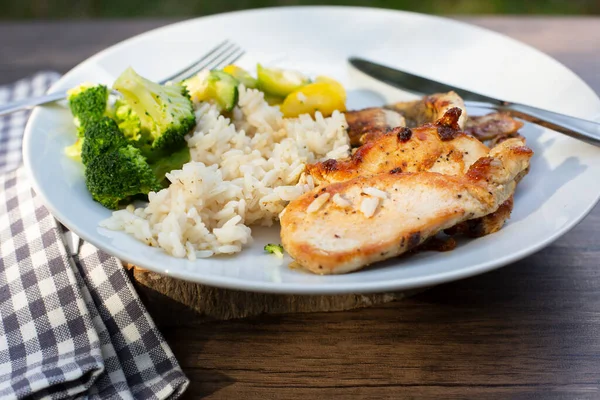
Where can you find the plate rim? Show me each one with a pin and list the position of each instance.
(299, 288)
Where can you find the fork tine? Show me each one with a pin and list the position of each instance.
(185, 71)
(214, 61)
(230, 58)
(236, 57)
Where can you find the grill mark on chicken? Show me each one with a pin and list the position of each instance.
(436, 244)
(414, 239)
(523, 150)
(480, 170)
(330, 165)
(447, 126)
(404, 134)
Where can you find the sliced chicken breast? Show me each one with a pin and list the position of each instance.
(368, 120)
(342, 227)
(430, 108)
(492, 126)
(436, 147)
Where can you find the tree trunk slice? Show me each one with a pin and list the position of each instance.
(173, 302)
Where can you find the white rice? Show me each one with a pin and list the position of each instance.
(369, 205)
(371, 191)
(242, 173)
(340, 201)
(318, 203)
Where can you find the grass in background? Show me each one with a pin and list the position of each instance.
(51, 9)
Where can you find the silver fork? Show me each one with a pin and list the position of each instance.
(223, 54)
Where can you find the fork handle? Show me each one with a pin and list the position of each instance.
(582, 129)
(26, 104)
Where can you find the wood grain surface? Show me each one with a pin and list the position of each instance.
(529, 330)
(174, 302)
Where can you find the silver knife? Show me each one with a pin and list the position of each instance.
(582, 129)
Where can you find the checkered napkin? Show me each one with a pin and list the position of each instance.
(71, 326)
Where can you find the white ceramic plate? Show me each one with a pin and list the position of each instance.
(560, 190)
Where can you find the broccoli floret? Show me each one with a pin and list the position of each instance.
(88, 102)
(74, 151)
(276, 249)
(165, 112)
(169, 163)
(100, 137)
(128, 121)
(119, 174)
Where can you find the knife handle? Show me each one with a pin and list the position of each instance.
(582, 129)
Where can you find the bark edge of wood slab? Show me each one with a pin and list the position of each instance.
(174, 302)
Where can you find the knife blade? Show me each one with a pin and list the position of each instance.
(578, 128)
(415, 83)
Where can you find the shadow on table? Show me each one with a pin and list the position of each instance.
(187, 343)
(203, 383)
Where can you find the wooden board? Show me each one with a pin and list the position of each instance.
(173, 301)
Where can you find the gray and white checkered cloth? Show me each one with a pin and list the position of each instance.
(72, 326)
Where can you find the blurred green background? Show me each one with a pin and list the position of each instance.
(56, 9)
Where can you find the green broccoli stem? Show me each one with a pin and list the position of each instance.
(168, 163)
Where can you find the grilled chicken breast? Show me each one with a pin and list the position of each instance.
(436, 147)
(499, 139)
(372, 119)
(492, 126)
(485, 225)
(344, 226)
(430, 108)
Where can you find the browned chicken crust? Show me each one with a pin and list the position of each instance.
(372, 119)
(485, 225)
(430, 108)
(492, 126)
(437, 147)
(335, 239)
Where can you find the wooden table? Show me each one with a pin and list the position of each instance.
(531, 328)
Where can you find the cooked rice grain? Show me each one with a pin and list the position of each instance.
(318, 203)
(369, 205)
(243, 172)
(371, 191)
(340, 201)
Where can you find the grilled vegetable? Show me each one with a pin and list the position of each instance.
(223, 88)
(279, 82)
(241, 75)
(334, 85)
(325, 96)
(273, 100)
(218, 86)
